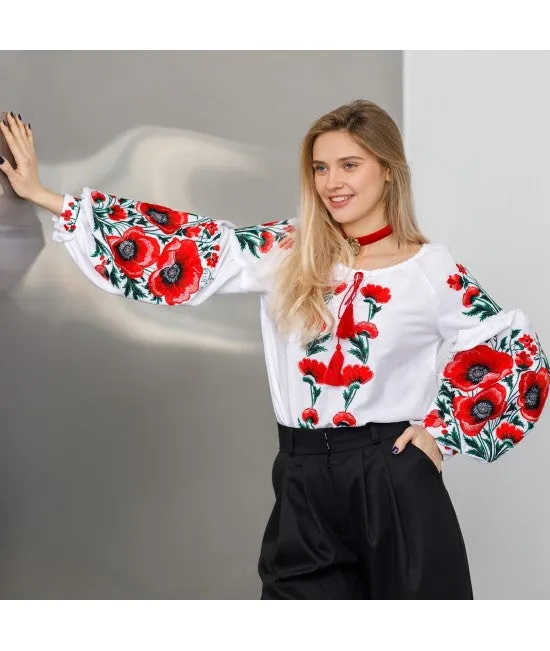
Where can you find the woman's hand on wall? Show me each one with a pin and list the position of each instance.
(24, 178)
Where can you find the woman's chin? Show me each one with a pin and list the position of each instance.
(344, 218)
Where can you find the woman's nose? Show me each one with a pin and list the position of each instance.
(334, 181)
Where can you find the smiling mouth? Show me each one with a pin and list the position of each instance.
(339, 202)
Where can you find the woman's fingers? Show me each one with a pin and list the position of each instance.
(18, 132)
(403, 439)
(28, 132)
(410, 434)
(14, 146)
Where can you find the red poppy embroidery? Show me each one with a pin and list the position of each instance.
(508, 431)
(169, 221)
(473, 413)
(356, 373)
(469, 296)
(310, 415)
(455, 282)
(344, 419)
(432, 419)
(480, 303)
(266, 241)
(478, 367)
(526, 340)
(133, 251)
(366, 328)
(102, 269)
(192, 231)
(117, 213)
(179, 271)
(523, 359)
(376, 293)
(212, 260)
(533, 392)
(314, 368)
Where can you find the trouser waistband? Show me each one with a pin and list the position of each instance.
(324, 440)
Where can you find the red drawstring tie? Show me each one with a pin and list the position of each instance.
(345, 330)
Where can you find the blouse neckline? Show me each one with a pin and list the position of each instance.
(373, 272)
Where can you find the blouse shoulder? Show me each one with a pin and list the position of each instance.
(438, 253)
(438, 262)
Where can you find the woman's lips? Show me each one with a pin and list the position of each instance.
(340, 202)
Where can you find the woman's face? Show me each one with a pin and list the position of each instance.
(348, 178)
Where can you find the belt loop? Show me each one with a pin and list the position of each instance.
(375, 433)
(292, 444)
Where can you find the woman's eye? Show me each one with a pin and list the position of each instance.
(321, 168)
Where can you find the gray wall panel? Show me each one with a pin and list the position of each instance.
(137, 441)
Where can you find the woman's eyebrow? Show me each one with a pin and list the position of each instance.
(340, 159)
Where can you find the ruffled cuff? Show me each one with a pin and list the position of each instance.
(446, 451)
(65, 225)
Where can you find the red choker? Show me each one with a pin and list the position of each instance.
(357, 242)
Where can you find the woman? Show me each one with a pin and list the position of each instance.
(355, 305)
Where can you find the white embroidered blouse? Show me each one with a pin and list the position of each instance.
(379, 365)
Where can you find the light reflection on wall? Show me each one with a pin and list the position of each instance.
(151, 164)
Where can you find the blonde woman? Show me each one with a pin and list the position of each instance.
(355, 305)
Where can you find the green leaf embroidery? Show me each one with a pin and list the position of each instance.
(315, 346)
(113, 277)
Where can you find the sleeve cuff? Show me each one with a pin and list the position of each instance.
(445, 450)
(65, 224)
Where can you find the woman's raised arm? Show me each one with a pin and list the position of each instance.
(146, 251)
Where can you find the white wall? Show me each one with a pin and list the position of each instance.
(477, 138)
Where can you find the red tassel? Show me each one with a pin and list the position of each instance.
(333, 375)
(345, 330)
(346, 327)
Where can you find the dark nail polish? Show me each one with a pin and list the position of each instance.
(1, 160)
(6, 123)
(19, 116)
(395, 449)
(12, 114)
(29, 125)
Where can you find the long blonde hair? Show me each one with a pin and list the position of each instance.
(303, 280)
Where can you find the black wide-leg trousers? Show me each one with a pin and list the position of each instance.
(352, 520)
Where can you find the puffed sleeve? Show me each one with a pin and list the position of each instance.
(495, 382)
(156, 254)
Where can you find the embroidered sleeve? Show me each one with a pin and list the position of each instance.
(495, 382)
(159, 255)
